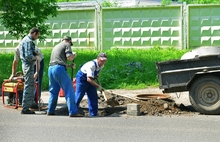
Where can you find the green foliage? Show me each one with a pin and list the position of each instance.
(166, 2)
(19, 16)
(201, 1)
(70, 0)
(135, 68)
(124, 69)
(6, 63)
(105, 3)
(108, 3)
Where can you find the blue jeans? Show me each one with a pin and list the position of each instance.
(58, 77)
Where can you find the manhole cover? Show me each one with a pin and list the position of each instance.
(152, 96)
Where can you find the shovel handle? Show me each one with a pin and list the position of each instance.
(99, 83)
(72, 72)
(102, 92)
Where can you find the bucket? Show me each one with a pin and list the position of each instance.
(62, 94)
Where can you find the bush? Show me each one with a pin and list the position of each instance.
(124, 69)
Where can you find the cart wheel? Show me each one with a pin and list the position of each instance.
(204, 94)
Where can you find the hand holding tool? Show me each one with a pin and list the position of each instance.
(110, 100)
(100, 88)
(72, 65)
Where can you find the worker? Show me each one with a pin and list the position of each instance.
(85, 82)
(58, 77)
(29, 56)
(40, 71)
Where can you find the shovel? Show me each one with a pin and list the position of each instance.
(40, 104)
(110, 100)
(72, 71)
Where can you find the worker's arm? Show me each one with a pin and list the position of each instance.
(37, 64)
(14, 67)
(91, 81)
(15, 62)
(71, 56)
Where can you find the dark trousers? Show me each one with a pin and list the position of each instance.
(41, 72)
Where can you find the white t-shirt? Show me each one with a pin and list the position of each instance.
(89, 68)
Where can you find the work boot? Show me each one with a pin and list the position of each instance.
(76, 115)
(27, 112)
(34, 106)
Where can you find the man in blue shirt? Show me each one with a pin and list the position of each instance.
(29, 55)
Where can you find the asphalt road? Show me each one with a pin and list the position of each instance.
(116, 128)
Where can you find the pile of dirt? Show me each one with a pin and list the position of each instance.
(163, 107)
(153, 107)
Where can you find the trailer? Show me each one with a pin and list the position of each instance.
(199, 75)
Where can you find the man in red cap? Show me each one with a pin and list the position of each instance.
(85, 82)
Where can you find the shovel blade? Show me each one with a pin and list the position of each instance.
(110, 99)
(112, 102)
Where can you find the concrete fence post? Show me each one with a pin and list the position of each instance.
(185, 26)
(99, 27)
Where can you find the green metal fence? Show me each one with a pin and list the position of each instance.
(180, 26)
(6, 40)
(80, 24)
(142, 27)
(203, 25)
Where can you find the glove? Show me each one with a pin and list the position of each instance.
(72, 65)
(38, 57)
(100, 88)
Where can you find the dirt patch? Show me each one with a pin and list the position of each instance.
(153, 107)
(176, 105)
(163, 107)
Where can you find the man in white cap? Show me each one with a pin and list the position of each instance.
(85, 82)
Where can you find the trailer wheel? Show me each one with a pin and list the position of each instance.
(204, 94)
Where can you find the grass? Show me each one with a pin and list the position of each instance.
(124, 69)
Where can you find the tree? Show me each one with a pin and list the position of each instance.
(19, 16)
(167, 2)
(201, 1)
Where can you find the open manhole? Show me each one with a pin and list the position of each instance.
(146, 97)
